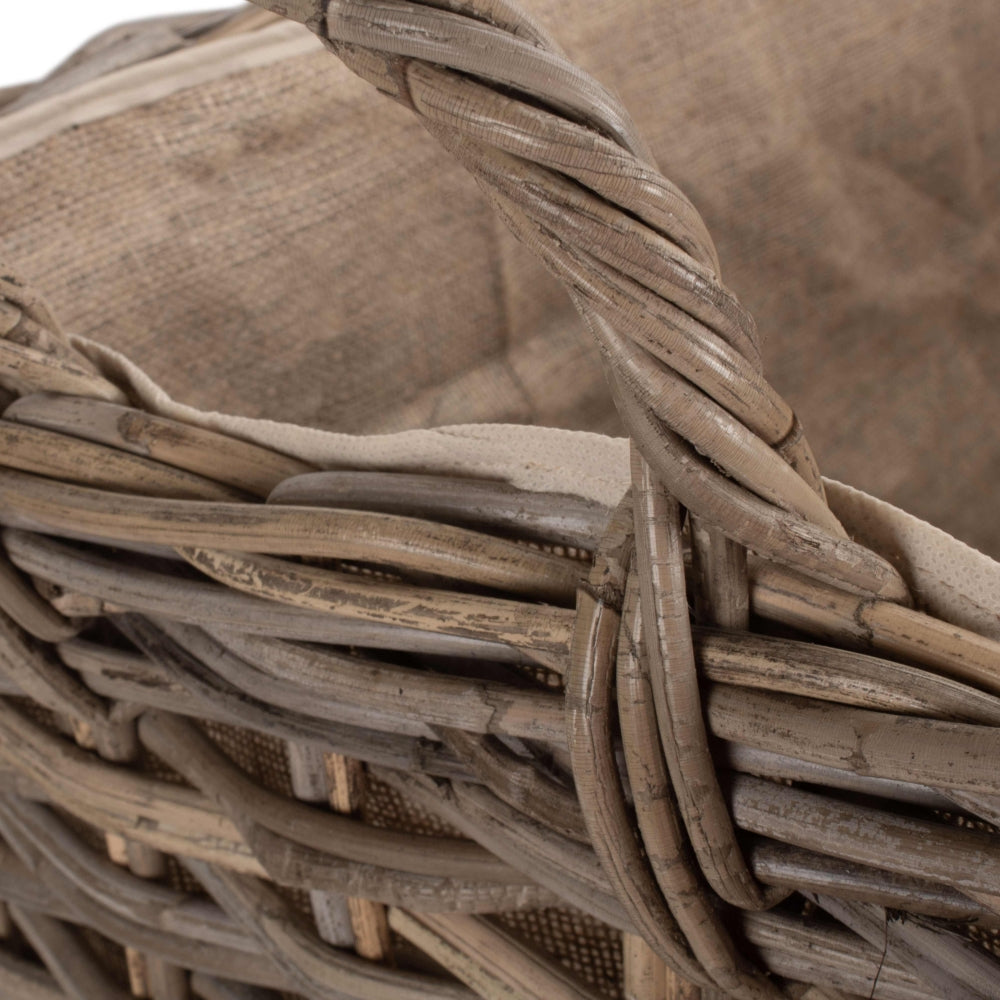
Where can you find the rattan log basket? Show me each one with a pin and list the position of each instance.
(688, 732)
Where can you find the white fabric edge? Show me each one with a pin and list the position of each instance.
(949, 579)
(148, 82)
(540, 459)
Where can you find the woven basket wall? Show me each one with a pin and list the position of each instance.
(493, 710)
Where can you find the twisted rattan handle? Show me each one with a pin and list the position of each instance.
(561, 161)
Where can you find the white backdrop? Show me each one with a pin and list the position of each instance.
(36, 35)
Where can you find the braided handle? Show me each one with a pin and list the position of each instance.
(562, 163)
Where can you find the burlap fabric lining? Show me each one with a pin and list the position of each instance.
(844, 158)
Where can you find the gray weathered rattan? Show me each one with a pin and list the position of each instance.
(706, 724)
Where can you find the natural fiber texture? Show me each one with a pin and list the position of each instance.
(322, 695)
(844, 158)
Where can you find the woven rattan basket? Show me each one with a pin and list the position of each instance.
(485, 710)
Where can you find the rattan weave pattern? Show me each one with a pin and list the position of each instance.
(227, 646)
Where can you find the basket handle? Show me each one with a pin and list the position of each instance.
(561, 161)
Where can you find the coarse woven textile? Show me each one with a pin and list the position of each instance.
(267, 236)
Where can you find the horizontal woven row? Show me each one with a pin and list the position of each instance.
(267, 728)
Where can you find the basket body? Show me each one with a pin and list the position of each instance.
(362, 740)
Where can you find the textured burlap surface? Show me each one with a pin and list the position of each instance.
(268, 236)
